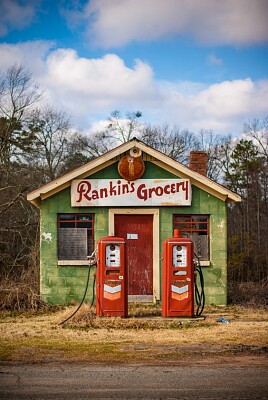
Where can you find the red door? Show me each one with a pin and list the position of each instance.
(137, 230)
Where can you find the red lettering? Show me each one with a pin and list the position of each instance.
(128, 187)
(167, 189)
(95, 195)
(83, 189)
(142, 192)
(103, 193)
(112, 190)
(132, 187)
(184, 186)
(158, 190)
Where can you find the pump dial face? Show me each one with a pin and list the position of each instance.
(179, 256)
(112, 255)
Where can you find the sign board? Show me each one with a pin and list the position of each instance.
(142, 192)
(133, 236)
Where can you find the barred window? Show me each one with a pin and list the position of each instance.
(75, 236)
(195, 227)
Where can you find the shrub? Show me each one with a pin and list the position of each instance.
(248, 293)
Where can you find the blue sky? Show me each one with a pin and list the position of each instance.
(197, 64)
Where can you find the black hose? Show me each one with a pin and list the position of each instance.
(93, 291)
(82, 301)
(86, 288)
(199, 295)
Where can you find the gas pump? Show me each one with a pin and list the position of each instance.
(111, 288)
(178, 277)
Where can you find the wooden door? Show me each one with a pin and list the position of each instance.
(138, 233)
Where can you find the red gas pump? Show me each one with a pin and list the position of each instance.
(178, 277)
(111, 291)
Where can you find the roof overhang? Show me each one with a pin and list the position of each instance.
(111, 157)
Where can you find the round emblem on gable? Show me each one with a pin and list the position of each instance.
(131, 168)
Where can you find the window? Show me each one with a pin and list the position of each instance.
(75, 236)
(195, 227)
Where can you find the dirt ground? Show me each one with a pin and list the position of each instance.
(143, 338)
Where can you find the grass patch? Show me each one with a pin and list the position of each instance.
(41, 349)
(141, 338)
(141, 317)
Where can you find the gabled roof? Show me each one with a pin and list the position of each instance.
(111, 157)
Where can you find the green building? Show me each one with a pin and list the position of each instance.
(138, 193)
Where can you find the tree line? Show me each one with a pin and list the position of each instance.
(38, 144)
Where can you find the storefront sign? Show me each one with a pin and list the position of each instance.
(143, 192)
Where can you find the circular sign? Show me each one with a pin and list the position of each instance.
(131, 168)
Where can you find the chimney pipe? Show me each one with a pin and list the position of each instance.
(198, 162)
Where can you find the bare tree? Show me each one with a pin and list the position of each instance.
(51, 132)
(257, 129)
(216, 147)
(119, 130)
(124, 129)
(173, 142)
(18, 221)
(18, 94)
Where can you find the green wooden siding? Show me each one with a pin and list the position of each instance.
(65, 284)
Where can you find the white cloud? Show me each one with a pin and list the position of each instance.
(16, 15)
(222, 107)
(89, 89)
(116, 23)
(30, 54)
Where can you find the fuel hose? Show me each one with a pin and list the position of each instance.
(199, 293)
(92, 261)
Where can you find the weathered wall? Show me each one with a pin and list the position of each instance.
(62, 284)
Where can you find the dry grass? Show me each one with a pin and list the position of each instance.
(19, 295)
(143, 338)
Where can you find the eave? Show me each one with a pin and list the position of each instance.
(111, 157)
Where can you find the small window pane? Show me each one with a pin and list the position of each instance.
(84, 224)
(84, 218)
(67, 224)
(69, 217)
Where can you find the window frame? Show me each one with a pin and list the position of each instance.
(190, 220)
(76, 221)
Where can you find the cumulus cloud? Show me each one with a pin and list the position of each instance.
(89, 89)
(116, 23)
(16, 15)
(98, 86)
(222, 107)
(30, 54)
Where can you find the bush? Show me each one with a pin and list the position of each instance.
(18, 296)
(248, 293)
